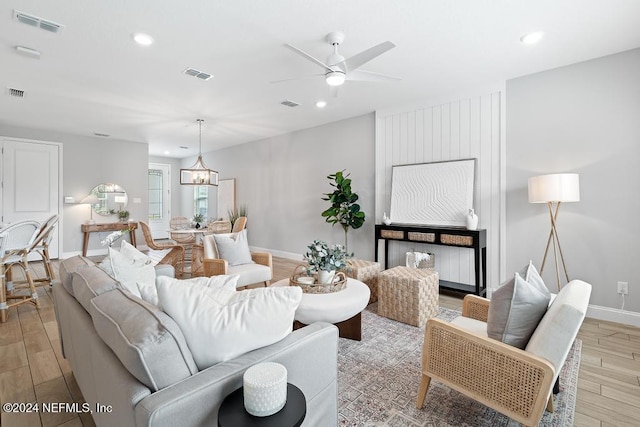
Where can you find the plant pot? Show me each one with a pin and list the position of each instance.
(326, 277)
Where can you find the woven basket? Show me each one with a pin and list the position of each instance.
(338, 284)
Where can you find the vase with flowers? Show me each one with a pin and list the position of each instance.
(325, 260)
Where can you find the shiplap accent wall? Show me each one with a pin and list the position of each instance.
(470, 127)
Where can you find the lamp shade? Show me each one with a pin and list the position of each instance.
(558, 187)
(91, 199)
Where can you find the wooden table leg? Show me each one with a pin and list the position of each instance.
(85, 243)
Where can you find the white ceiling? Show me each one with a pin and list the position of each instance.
(93, 78)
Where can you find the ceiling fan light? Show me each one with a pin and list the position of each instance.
(335, 78)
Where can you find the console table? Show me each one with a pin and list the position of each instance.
(87, 229)
(443, 236)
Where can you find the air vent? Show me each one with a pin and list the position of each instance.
(104, 135)
(17, 93)
(198, 74)
(289, 103)
(35, 21)
(184, 147)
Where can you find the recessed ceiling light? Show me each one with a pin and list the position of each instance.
(532, 38)
(321, 104)
(142, 39)
(167, 153)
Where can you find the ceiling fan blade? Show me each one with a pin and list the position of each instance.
(309, 57)
(365, 56)
(370, 76)
(297, 78)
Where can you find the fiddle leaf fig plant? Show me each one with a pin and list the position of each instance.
(344, 209)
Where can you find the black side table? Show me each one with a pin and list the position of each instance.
(233, 414)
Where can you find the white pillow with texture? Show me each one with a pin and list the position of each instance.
(220, 324)
(135, 273)
(517, 307)
(233, 247)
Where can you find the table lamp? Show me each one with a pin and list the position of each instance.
(554, 189)
(90, 200)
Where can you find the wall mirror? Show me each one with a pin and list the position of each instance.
(111, 199)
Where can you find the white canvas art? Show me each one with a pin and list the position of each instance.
(439, 193)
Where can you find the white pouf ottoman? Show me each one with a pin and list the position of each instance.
(341, 308)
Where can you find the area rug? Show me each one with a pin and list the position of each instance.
(378, 381)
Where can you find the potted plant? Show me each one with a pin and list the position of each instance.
(123, 215)
(198, 218)
(325, 260)
(343, 210)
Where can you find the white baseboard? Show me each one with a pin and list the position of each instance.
(614, 315)
(281, 254)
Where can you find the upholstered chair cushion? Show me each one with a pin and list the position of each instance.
(148, 342)
(561, 323)
(517, 307)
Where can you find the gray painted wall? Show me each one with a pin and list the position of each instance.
(281, 181)
(87, 162)
(583, 118)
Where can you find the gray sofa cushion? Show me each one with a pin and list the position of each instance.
(89, 282)
(147, 341)
(68, 266)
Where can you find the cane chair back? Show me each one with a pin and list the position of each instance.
(175, 257)
(217, 227)
(40, 245)
(240, 224)
(15, 241)
(181, 223)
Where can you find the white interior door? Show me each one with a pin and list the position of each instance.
(30, 187)
(159, 199)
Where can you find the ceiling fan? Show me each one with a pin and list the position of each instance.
(337, 69)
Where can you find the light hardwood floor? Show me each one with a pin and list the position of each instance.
(32, 368)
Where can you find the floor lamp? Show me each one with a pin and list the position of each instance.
(554, 189)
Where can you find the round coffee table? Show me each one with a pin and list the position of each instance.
(341, 308)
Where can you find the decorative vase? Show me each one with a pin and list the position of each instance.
(385, 219)
(325, 277)
(197, 225)
(472, 220)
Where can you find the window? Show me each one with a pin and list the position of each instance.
(201, 200)
(155, 194)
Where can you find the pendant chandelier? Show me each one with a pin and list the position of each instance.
(199, 173)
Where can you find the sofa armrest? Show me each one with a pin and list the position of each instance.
(262, 258)
(505, 378)
(475, 307)
(214, 267)
(309, 354)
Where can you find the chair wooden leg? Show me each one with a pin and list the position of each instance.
(422, 392)
(550, 403)
(32, 286)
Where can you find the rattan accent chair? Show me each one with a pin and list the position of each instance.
(40, 246)
(517, 383)
(15, 243)
(175, 257)
(207, 263)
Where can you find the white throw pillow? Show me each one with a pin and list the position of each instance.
(156, 255)
(136, 274)
(517, 307)
(233, 247)
(220, 324)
